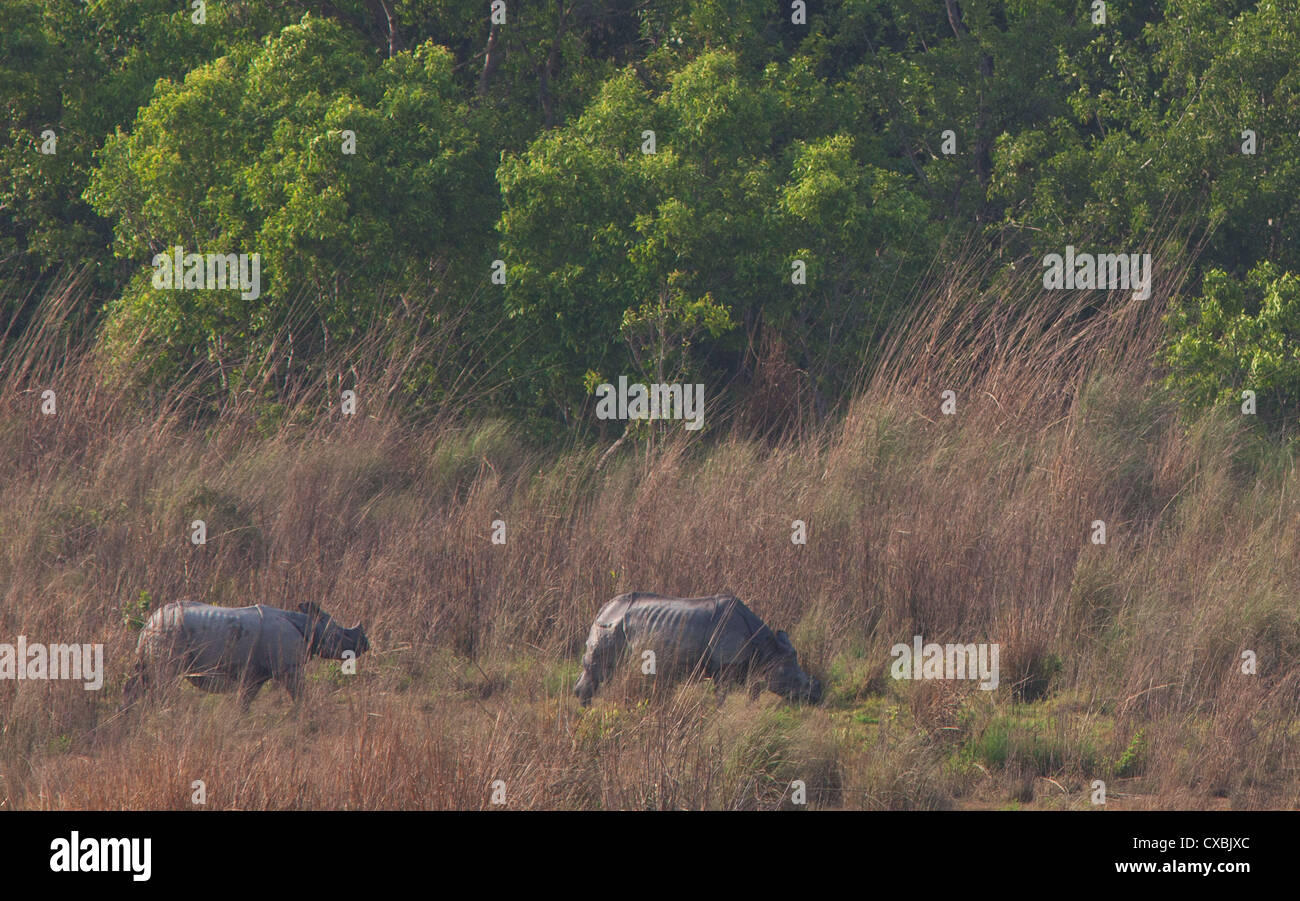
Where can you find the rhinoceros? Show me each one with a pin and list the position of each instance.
(718, 637)
(220, 649)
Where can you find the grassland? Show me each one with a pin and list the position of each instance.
(1120, 662)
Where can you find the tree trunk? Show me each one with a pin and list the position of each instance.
(490, 60)
(983, 139)
(547, 70)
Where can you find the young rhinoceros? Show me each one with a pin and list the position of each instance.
(225, 648)
(717, 636)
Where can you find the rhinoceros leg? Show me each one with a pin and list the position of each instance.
(293, 683)
(158, 662)
(737, 674)
(248, 690)
(730, 676)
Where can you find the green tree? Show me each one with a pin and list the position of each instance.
(1240, 335)
(727, 201)
(247, 155)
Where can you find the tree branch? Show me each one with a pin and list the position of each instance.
(491, 58)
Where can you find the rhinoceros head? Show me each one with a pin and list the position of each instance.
(786, 678)
(585, 688)
(328, 639)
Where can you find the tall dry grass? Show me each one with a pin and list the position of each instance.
(1119, 661)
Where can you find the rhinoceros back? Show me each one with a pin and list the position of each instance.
(216, 644)
(713, 631)
(220, 641)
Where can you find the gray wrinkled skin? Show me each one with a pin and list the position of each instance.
(718, 637)
(222, 649)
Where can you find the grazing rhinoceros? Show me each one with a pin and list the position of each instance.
(718, 637)
(224, 648)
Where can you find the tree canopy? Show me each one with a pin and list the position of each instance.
(599, 187)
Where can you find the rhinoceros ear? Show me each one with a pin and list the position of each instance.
(784, 640)
(311, 608)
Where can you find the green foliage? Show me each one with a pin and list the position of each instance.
(695, 218)
(1154, 132)
(135, 611)
(823, 143)
(246, 155)
(80, 70)
(1240, 334)
(1032, 741)
(1134, 759)
(659, 333)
